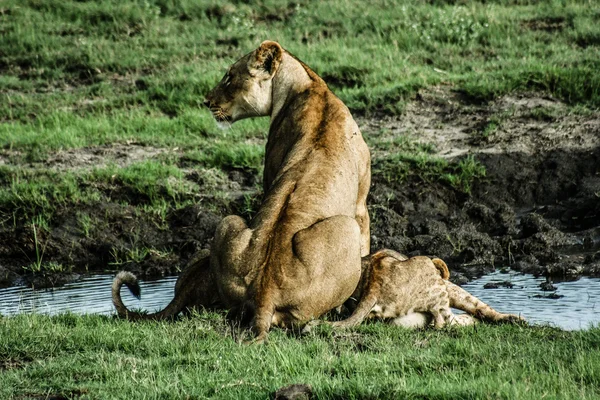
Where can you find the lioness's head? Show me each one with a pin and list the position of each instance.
(245, 90)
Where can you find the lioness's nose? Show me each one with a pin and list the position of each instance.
(207, 103)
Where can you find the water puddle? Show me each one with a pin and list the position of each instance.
(576, 304)
(90, 295)
(578, 308)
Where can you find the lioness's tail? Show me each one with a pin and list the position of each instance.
(463, 300)
(372, 280)
(442, 267)
(130, 280)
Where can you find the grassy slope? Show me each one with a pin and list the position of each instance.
(199, 358)
(83, 73)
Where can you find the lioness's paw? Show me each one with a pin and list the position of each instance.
(260, 339)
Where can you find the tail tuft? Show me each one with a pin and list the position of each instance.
(131, 281)
(442, 267)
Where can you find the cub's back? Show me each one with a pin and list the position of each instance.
(410, 284)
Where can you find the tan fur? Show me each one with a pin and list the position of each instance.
(414, 292)
(194, 289)
(301, 255)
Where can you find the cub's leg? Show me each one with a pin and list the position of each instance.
(440, 310)
(463, 300)
(372, 279)
(417, 320)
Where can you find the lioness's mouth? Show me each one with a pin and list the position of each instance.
(217, 112)
(220, 115)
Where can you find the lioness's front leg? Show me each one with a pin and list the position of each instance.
(362, 218)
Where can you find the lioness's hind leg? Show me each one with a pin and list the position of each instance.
(329, 253)
(463, 300)
(228, 261)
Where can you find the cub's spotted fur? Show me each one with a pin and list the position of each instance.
(414, 292)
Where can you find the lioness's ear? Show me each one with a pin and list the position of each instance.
(267, 57)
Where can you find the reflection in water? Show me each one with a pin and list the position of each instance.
(90, 295)
(576, 310)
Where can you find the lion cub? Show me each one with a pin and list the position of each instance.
(413, 293)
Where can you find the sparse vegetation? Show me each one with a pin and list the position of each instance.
(44, 267)
(544, 114)
(399, 166)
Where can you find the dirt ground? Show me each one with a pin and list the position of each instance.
(537, 210)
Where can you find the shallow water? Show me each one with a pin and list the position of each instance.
(579, 307)
(90, 295)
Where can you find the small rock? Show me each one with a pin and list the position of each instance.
(547, 286)
(296, 391)
(553, 296)
(496, 285)
(458, 279)
(566, 268)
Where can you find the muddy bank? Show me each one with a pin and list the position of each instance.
(537, 209)
(524, 215)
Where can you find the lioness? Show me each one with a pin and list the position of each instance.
(413, 292)
(301, 254)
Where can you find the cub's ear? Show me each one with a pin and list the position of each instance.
(267, 58)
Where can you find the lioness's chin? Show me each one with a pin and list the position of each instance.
(224, 125)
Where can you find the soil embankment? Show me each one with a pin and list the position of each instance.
(537, 209)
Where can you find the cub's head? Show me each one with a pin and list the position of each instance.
(245, 90)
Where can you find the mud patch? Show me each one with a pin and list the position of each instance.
(119, 154)
(120, 239)
(13, 363)
(550, 24)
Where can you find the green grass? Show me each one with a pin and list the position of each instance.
(201, 357)
(77, 74)
(65, 62)
(81, 73)
(403, 158)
